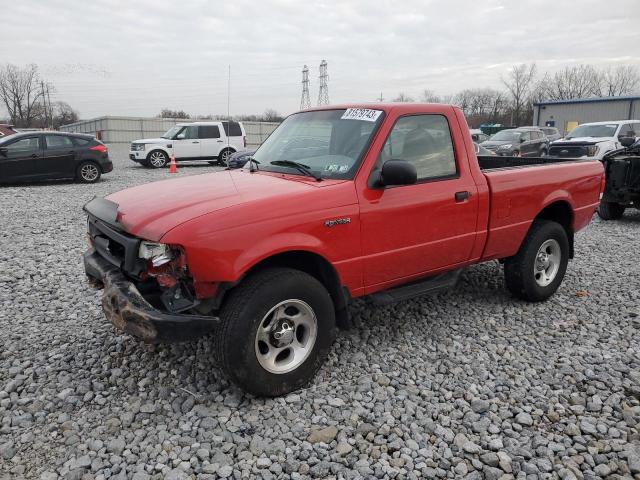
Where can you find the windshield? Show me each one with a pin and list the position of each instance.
(507, 135)
(329, 142)
(593, 131)
(172, 132)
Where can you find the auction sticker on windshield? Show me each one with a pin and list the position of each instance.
(365, 114)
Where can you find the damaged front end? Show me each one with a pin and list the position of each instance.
(148, 291)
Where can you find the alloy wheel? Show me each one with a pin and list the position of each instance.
(286, 336)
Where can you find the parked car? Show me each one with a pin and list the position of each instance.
(622, 172)
(238, 159)
(6, 130)
(41, 155)
(552, 133)
(268, 259)
(478, 135)
(191, 141)
(480, 150)
(595, 140)
(518, 142)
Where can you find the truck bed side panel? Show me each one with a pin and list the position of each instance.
(518, 195)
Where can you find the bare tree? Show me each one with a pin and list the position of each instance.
(403, 97)
(168, 113)
(622, 80)
(271, 115)
(580, 81)
(519, 83)
(21, 92)
(429, 96)
(63, 114)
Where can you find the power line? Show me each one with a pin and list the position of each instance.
(305, 101)
(323, 93)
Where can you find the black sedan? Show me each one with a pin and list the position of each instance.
(238, 159)
(32, 156)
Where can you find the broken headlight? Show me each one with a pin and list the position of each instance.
(158, 253)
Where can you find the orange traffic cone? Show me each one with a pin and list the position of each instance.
(173, 168)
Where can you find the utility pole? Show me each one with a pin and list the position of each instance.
(323, 94)
(380, 98)
(44, 102)
(305, 101)
(50, 108)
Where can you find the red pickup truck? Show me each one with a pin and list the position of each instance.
(388, 201)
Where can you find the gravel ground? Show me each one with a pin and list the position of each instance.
(468, 384)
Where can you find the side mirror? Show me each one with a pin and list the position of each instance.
(398, 172)
(624, 141)
(180, 136)
(522, 140)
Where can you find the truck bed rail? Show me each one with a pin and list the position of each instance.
(488, 162)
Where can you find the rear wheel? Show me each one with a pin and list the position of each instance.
(157, 159)
(536, 271)
(277, 328)
(223, 157)
(610, 210)
(88, 172)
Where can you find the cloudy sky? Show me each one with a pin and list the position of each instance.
(121, 57)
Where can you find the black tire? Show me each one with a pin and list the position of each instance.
(520, 274)
(244, 312)
(223, 157)
(610, 210)
(157, 159)
(88, 172)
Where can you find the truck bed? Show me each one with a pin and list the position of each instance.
(491, 162)
(518, 194)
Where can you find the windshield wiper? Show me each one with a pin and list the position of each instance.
(301, 167)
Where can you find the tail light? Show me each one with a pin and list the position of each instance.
(99, 148)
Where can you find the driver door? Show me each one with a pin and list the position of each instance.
(187, 143)
(19, 159)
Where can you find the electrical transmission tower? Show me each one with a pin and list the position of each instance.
(305, 101)
(323, 94)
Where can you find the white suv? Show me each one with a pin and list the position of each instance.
(211, 141)
(593, 140)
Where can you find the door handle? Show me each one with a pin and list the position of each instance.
(462, 196)
(219, 141)
(34, 155)
(195, 142)
(72, 151)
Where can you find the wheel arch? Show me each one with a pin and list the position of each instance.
(560, 211)
(318, 267)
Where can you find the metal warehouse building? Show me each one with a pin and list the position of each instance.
(565, 115)
(127, 129)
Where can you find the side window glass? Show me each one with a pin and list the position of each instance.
(625, 130)
(58, 141)
(23, 145)
(208, 131)
(425, 141)
(525, 136)
(191, 132)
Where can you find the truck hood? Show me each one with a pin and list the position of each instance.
(152, 140)
(149, 211)
(585, 140)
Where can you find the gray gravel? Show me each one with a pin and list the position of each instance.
(469, 384)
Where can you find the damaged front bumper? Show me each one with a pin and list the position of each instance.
(128, 310)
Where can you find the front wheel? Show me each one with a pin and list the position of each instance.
(610, 210)
(277, 328)
(158, 159)
(88, 172)
(536, 271)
